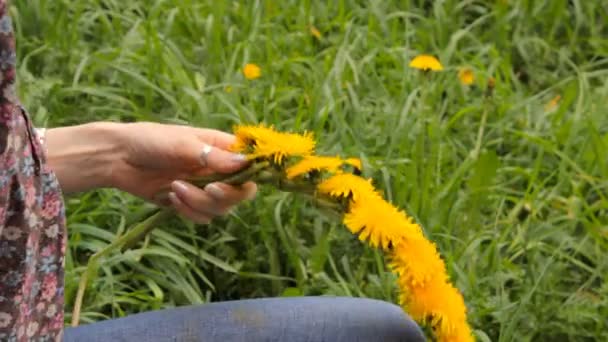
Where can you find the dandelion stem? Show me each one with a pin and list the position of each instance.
(480, 132)
(92, 265)
(237, 178)
(159, 215)
(139, 231)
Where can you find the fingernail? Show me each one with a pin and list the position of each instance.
(251, 195)
(215, 191)
(239, 157)
(179, 187)
(173, 198)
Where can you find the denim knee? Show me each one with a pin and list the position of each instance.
(297, 319)
(368, 320)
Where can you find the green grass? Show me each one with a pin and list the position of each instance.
(517, 202)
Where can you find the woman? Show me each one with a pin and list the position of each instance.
(144, 159)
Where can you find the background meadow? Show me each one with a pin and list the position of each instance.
(511, 184)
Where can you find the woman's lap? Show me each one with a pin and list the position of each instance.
(295, 319)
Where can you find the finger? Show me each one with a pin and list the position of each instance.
(219, 139)
(207, 150)
(231, 194)
(221, 161)
(199, 200)
(187, 211)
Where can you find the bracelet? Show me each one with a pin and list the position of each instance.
(41, 135)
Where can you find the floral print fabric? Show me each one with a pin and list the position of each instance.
(32, 220)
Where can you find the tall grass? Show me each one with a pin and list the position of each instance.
(516, 198)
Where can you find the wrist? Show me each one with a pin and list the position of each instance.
(85, 157)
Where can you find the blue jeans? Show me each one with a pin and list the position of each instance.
(296, 319)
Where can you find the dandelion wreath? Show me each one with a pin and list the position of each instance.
(287, 160)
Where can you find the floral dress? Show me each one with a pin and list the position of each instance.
(32, 220)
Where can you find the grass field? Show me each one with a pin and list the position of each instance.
(512, 185)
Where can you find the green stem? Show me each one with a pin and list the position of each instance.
(237, 178)
(233, 179)
(142, 229)
(480, 132)
(126, 238)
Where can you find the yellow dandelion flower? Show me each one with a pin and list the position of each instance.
(426, 62)
(439, 303)
(285, 145)
(346, 185)
(315, 32)
(380, 223)
(417, 261)
(466, 76)
(310, 163)
(442, 304)
(265, 142)
(252, 71)
(354, 162)
(551, 105)
(248, 135)
(460, 333)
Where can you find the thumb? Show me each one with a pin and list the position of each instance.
(219, 160)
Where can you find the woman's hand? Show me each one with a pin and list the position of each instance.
(158, 157)
(151, 161)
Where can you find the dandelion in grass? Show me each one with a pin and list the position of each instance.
(466, 76)
(491, 83)
(426, 63)
(265, 142)
(551, 105)
(315, 32)
(490, 86)
(252, 71)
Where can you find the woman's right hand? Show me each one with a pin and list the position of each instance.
(148, 159)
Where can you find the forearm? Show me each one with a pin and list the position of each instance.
(84, 157)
